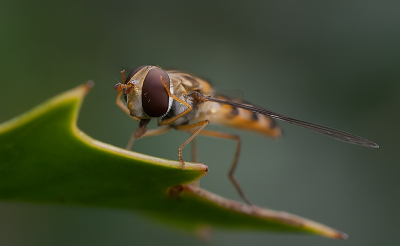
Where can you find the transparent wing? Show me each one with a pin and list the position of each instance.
(231, 95)
(337, 134)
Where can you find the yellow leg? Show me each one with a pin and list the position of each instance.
(123, 106)
(202, 124)
(170, 120)
(235, 160)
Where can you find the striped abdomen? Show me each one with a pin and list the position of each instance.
(237, 118)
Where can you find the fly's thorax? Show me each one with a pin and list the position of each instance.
(178, 108)
(208, 111)
(148, 97)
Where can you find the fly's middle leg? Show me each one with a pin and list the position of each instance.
(235, 160)
(200, 124)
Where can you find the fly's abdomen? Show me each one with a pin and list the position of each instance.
(238, 118)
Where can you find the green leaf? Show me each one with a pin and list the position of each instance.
(45, 158)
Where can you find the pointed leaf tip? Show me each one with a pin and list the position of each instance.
(89, 85)
(343, 236)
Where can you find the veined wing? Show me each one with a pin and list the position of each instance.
(337, 134)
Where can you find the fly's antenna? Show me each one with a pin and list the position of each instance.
(115, 79)
(123, 76)
(122, 86)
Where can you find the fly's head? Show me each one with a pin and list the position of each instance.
(145, 93)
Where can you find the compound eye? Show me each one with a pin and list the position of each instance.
(155, 99)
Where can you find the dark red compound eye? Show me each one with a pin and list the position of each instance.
(155, 99)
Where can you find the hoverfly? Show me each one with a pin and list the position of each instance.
(184, 102)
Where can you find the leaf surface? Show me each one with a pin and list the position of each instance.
(45, 158)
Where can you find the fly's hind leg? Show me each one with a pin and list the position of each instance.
(235, 160)
(200, 124)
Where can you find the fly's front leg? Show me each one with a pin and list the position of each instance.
(124, 108)
(202, 124)
(170, 120)
(149, 133)
(235, 160)
(119, 102)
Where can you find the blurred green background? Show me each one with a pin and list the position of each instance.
(333, 63)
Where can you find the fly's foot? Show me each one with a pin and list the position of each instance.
(183, 165)
(181, 159)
